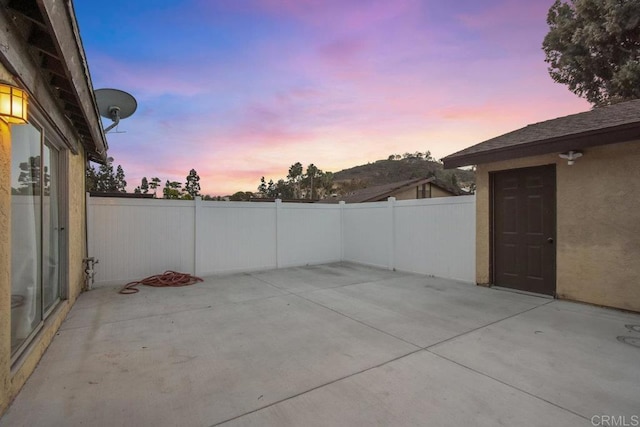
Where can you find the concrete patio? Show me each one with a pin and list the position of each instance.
(331, 345)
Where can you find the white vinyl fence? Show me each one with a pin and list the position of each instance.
(427, 236)
(135, 238)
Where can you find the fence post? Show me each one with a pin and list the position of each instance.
(197, 218)
(278, 205)
(392, 233)
(341, 204)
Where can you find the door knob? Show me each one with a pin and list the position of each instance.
(550, 240)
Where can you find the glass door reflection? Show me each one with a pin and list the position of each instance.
(50, 228)
(26, 233)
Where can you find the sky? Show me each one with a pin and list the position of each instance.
(240, 89)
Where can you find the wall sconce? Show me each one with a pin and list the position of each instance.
(13, 104)
(571, 156)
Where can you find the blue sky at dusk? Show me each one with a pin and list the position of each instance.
(240, 89)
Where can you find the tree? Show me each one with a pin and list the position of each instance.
(281, 189)
(30, 176)
(241, 196)
(262, 188)
(315, 183)
(144, 185)
(91, 178)
(154, 184)
(192, 186)
(271, 189)
(105, 179)
(313, 173)
(172, 190)
(121, 184)
(454, 180)
(428, 157)
(593, 47)
(472, 185)
(295, 176)
(325, 182)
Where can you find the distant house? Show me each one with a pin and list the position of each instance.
(420, 188)
(558, 210)
(42, 172)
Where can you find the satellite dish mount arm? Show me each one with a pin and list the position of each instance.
(115, 104)
(114, 112)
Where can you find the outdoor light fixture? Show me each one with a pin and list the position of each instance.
(13, 104)
(571, 156)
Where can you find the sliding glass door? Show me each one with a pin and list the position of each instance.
(35, 232)
(50, 229)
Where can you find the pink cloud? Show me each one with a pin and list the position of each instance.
(510, 13)
(343, 50)
(348, 82)
(151, 79)
(344, 14)
(495, 114)
(511, 24)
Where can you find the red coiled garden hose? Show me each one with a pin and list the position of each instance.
(168, 278)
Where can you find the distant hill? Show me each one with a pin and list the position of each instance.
(395, 169)
(388, 171)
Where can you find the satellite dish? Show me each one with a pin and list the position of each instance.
(115, 104)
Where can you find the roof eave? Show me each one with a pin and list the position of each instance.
(611, 135)
(62, 24)
(48, 61)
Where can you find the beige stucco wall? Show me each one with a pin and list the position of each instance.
(5, 264)
(598, 224)
(438, 192)
(411, 193)
(77, 221)
(12, 378)
(5, 256)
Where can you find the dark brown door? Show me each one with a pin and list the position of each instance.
(524, 229)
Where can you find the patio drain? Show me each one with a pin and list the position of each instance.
(634, 341)
(633, 328)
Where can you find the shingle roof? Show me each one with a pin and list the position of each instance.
(605, 125)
